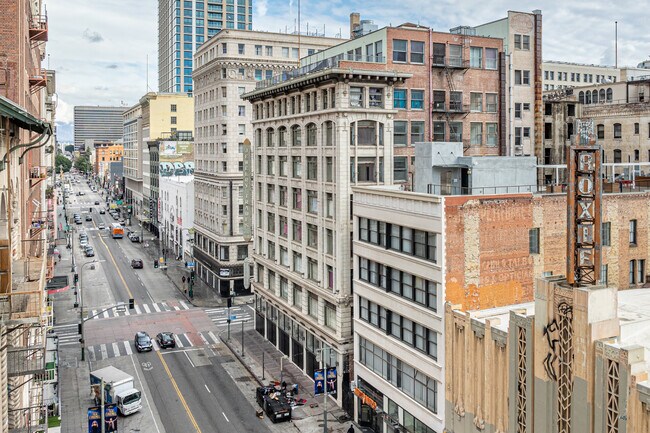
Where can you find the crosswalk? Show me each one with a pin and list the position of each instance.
(219, 316)
(68, 335)
(156, 307)
(98, 352)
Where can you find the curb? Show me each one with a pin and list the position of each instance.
(241, 361)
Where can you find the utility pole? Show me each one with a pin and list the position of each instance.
(324, 391)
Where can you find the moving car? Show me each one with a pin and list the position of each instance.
(89, 218)
(97, 202)
(166, 339)
(137, 264)
(101, 226)
(78, 221)
(133, 237)
(121, 221)
(102, 211)
(142, 342)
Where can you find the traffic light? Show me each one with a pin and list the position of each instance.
(192, 276)
(79, 328)
(76, 278)
(131, 303)
(155, 264)
(90, 209)
(229, 302)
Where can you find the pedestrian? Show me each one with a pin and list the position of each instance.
(351, 429)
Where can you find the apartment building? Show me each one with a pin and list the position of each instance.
(227, 66)
(157, 116)
(105, 153)
(177, 215)
(454, 94)
(561, 75)
(27, 216)
(398, 260)
(521, 33)
(96, 123)
(621, 115)
(183, 26)
(316, 135)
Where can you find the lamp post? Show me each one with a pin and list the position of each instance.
(81, 310)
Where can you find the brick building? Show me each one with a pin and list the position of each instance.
(27, 216)
(455, 93)
(497, 245)
(105, 153)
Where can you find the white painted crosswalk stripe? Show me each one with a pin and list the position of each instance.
(185, 307)
(176, 308)
(156, 347)
(102, 348)
(116, 350)
(203, 338)
(137, 310)
(146, 308)
(127, 346)
(126, 312)
(178, 341)
(156, 307)
(105, 314)
(214, 338)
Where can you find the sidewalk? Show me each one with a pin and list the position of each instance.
(258, 352)
(204, 296)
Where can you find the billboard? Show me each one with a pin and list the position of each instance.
(176, 158)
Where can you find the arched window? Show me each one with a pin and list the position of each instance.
(587, 97)
(311, 134)
(258, 137)
(594, 96)
(328, 133)
(601, 95)
(270, 137)
(581, 97)
(282, 136)
(609, 95)
(296, 135)
(618, 132)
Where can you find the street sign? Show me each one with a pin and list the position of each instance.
(233, 317)
(191, 264)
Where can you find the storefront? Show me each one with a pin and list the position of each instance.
(369, 406)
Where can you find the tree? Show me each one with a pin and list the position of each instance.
(61, 162)
(83, 164)
(69, 148)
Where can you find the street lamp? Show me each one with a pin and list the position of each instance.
(81, 310)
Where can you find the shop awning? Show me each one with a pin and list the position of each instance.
(22, 118)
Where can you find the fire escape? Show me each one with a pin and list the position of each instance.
(38, 34)
(449, 67)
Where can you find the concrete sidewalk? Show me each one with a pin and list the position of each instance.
(262, 361)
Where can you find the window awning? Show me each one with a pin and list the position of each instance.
(22, 118)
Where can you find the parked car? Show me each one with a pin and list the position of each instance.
(137, 264)
(143, 342)
(134, 238)
(78, 221)
(90, 252)
(166, 339)
(83, 243)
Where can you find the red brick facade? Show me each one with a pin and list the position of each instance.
(488, 263)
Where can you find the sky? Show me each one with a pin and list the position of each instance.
(105, 51)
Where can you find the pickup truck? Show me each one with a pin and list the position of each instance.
(118, 388)
(274, 403)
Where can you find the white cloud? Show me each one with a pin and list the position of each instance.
(262, 7)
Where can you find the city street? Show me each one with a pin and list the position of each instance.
(184, 389)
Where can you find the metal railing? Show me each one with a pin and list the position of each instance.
(332, 62)
(483, 190)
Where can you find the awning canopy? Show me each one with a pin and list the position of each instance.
(22, 118)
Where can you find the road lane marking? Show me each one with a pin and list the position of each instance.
(185, 307)
(224, 415)
(206, 387)
(117, 269)
(156, 307)
(178, 341)
(176, 308)
(188, 358)
(204, 339)
(137, 309)
(105, 314)
(103, 350)
(126, 312)
(127, 346)
(146, 308)
(178, 392)
(214, 338)
(145, 395)
(116, 350)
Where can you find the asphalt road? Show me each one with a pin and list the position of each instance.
(189, 388)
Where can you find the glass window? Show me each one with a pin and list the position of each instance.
(399, 50)
(399, 98)
(417, 132)
(400, 168)
(356, 97)
(476, 133)
(438, 131)
(376, 97)
(491, 58)
(476, 57)
(399, 133)
(417, 52)
(491, 102)
(476, 102)
(491, 134)
(417, 99)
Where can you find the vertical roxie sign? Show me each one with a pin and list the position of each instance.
(583, 206)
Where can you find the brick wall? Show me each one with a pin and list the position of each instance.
(488, 263)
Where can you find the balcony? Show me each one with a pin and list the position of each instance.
(38, 80)
(451, 108)
(24, 303)
(452, 62)
(38, 29)
(37, 175)
(32, 417)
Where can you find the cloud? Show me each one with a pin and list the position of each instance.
(262, 7)
(92, 37)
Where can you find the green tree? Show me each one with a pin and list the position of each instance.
(69, 148)
(83, 164)
(61, 162)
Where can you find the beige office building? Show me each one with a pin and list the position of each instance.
(228, 65)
